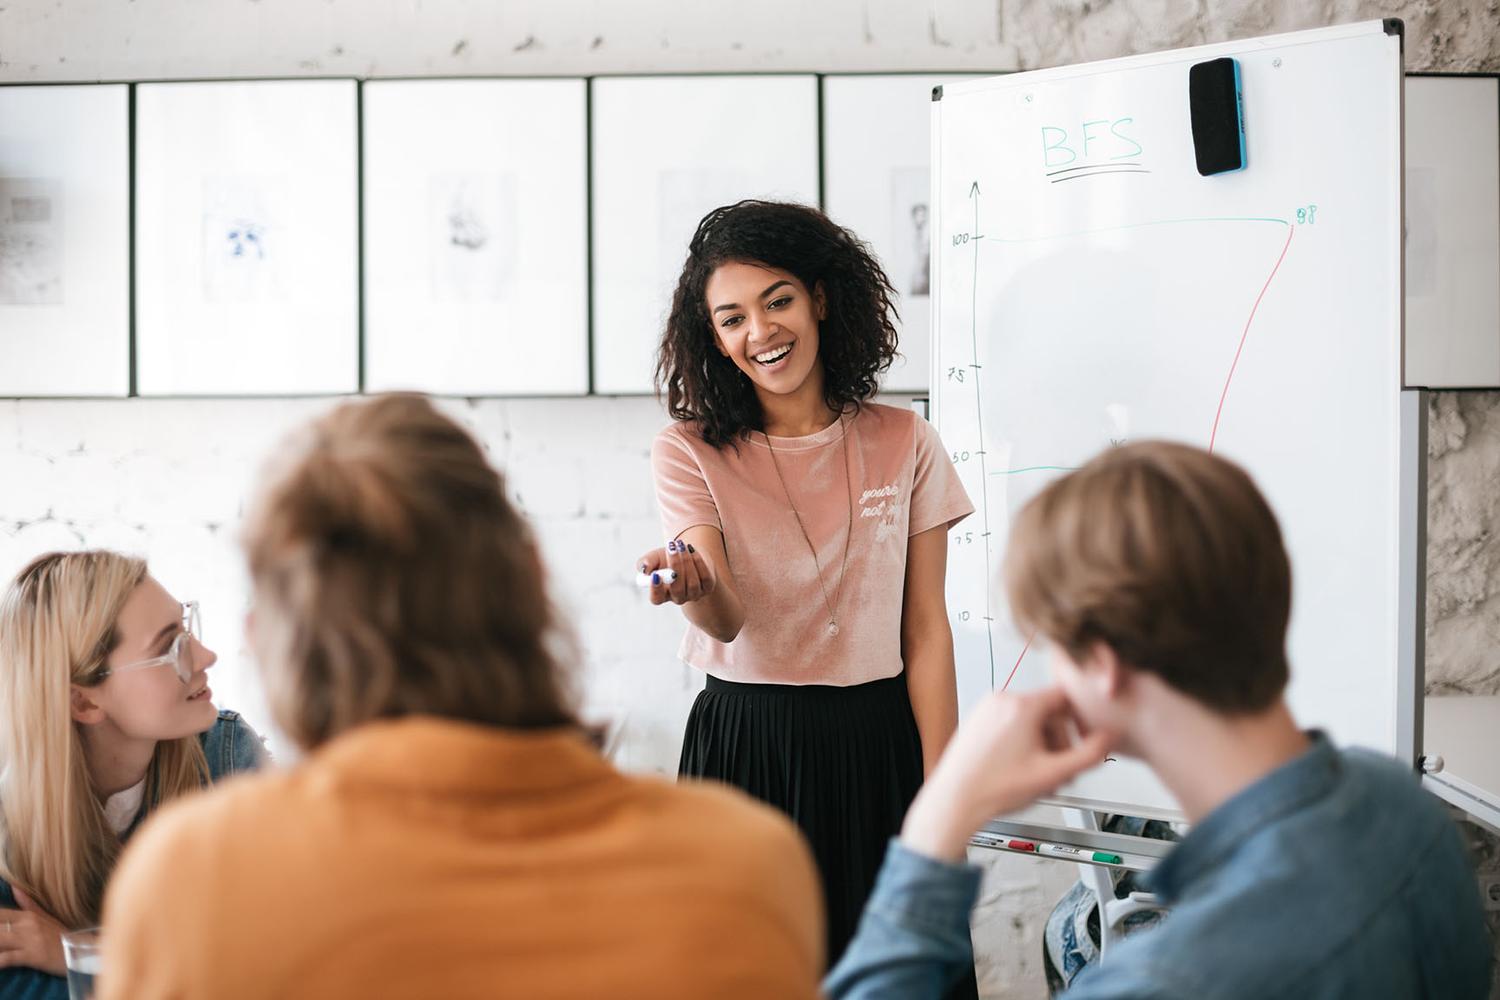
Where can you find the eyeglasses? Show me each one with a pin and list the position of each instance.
(179, 656)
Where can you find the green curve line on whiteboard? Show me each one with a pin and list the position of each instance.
(1135, 225)
(1036, 468)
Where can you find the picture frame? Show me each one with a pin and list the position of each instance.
(476, 236)
(665, 151)
(247, 235)
(877, 182)
(65, 240)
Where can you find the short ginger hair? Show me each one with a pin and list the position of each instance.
(1171, 557)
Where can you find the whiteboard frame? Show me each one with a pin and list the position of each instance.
(1411, 444)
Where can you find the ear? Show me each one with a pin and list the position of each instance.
(84, 708)
(820, 301)
(1108, 674)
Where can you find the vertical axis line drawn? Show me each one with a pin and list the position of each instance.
(1245, 334)
(984, 479)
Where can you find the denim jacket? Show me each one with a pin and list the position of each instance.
(230, 746)
(1335, 876)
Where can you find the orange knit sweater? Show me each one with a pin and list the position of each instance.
(430, 858)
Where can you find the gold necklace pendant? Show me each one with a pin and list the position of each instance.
(832, 606)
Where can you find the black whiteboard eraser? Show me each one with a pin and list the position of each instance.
(1216, 104)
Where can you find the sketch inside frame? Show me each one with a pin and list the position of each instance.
(243, 240)
(472, 224)
(31, 241)
(910, 266)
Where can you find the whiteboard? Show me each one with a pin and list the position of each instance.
(247, 238)
(1092, 288)
(65, 241)
(877, 181)
(476, 239)
(1453, 231)
(666, 151)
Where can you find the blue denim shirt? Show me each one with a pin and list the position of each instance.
(1335, 876)
(230, 746)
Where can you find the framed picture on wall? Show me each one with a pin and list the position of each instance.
(1452, 200)
(247, 231)
(65, 240)
(666, 151)
(876, 152)
(476, 236)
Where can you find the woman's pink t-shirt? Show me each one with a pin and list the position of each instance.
(900, 484)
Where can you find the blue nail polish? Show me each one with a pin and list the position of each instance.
(655, 579)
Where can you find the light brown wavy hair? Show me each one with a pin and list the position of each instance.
(1171, 557)
(392, 577)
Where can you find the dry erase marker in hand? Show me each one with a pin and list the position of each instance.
(666, 577)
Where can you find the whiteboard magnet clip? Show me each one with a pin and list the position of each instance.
(1430, 763)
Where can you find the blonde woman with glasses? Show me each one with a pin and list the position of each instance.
(105, 714)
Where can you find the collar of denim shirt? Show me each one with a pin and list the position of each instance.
(1291, 787)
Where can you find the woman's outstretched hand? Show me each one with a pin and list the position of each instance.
(692, 576)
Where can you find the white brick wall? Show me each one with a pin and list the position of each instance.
(168, 479)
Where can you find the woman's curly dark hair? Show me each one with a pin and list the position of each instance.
(857, 340)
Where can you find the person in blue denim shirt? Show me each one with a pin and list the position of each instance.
(1157, 576)
(105, 714)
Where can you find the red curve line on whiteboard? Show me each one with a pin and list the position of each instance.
(1245, 335)
(1018, 661)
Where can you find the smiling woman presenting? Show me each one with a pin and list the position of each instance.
(807, 533)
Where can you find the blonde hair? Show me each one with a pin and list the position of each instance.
(57, 626)
(1171, 557)
(392, 577)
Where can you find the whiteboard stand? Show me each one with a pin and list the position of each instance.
(1112, 909)
(1411, 622)
(1139, 854)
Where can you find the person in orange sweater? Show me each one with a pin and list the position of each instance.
(452, 831)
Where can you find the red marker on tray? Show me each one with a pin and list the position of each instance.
(1020, 845)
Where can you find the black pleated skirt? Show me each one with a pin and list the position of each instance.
(843, 762)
